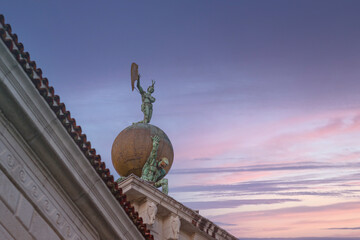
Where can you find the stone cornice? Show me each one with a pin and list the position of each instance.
(136, 188)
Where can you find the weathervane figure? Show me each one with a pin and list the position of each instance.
(147, 99)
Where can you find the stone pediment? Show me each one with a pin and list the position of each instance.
(167, 218)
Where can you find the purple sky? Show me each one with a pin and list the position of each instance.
(259, 98)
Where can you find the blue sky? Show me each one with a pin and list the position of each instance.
(259, 98)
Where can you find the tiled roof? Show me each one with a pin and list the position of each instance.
(47, 92)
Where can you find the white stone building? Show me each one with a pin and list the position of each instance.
(53, 185)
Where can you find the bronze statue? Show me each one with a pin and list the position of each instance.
(147, 99)
(153, 171)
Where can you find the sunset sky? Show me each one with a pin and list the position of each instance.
(261, 99)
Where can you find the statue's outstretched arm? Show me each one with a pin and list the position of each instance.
(151, 161)
(153, 153)
(156, 140)
(141, 90)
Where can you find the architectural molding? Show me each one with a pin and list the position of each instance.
(173, 220)
(15, 162)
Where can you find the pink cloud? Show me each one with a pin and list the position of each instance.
(297, 221)
(279, 140)
(231, 178)
(333, 128)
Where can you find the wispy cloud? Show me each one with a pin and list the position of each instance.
(324, 220)
(252, 186)
(235, 203)
(257, 186)
(268, 167)
(345, 228)
(225, 224)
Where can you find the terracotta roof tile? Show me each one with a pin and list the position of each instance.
(48, 93)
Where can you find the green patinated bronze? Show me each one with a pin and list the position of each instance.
(147, 100)
(153, 171)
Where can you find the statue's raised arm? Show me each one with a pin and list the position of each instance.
(141, 90)
(147, 99)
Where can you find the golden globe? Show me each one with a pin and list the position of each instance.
(132, 147)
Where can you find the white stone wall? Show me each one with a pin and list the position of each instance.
(33, 205)
(19, 219)
(29, 200)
